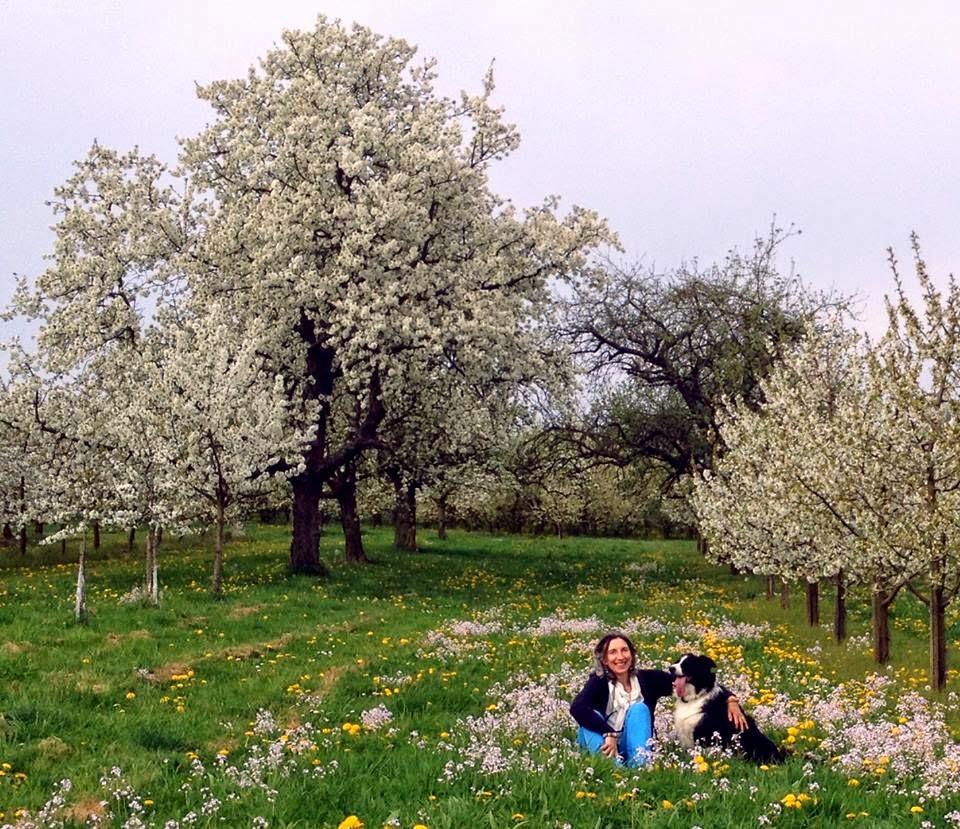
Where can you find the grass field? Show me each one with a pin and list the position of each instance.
(430, 689)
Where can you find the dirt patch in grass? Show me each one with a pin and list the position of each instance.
(325, 683)
(15, 648)
(281, 643)
(81, 811)
(243, 610)
(165, 673)
(255, 649)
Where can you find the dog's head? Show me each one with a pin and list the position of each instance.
(693, 675)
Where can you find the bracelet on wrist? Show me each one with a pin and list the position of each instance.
(615, 734)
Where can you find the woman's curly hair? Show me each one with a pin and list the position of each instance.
(600, 650)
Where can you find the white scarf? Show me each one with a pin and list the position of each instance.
(620, 700)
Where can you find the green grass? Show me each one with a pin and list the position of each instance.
(157, 691)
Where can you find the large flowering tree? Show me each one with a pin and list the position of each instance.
(340, 206)
(347, 203)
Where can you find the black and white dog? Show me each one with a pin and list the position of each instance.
(700, 717)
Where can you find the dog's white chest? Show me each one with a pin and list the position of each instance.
(685, 718)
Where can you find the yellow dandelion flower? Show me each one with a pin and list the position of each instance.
(350, 822)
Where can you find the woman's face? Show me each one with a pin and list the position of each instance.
(617, 657)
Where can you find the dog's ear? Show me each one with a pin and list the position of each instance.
(709, 664)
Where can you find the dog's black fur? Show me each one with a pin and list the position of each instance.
(701, 712)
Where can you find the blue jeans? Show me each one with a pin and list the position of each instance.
(637, 730)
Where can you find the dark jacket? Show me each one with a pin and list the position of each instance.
(596, 693)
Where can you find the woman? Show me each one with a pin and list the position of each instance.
(615, 708)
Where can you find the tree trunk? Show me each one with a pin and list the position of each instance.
(840, 609)
(63, 548)
(938, 638)
(151, 591)
(38, 529)
(770, 588)
(80, 603)
(131, 539)
(813, 604)
(305, 543)
(23, 509)
(881, 626)
(405, 517)
(96, 535)
(216, 584)
(350, 519)
(784, 594)
(442, 518)
(8, 535)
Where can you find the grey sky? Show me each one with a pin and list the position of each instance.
(688, 125)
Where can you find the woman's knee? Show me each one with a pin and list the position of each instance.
(638, 711)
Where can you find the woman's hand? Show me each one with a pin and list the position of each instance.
(736, 714)
(609, 747)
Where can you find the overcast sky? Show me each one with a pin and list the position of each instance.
(688, 125)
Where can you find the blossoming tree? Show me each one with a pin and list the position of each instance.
(340, 208)
(856, 470)
(347, 204)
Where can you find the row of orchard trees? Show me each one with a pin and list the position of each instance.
(850, 468)
(324, 278)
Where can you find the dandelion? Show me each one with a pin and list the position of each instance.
(350, 822)
(666, 804)
(916, 810)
